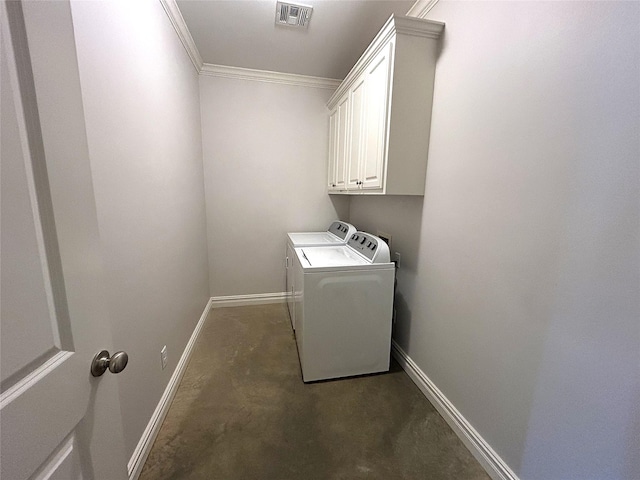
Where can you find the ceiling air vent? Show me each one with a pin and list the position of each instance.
(293, 15)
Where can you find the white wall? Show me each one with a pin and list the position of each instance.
(265, 153)
(519, 282)
(141, 102)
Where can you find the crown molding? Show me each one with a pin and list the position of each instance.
(269, 77)
(173, 12)
(421, 8)
(418, 27)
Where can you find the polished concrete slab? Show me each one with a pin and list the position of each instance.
(243, 412)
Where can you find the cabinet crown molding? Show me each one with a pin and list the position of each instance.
(396, 24)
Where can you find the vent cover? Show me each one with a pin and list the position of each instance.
(293, 15)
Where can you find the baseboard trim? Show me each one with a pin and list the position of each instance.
(243, 300)
(140, 454)
(480, 449)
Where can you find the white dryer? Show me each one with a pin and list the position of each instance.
(337, 234)
(343, 303)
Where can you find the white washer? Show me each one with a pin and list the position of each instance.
(337, 234)
(343, 304)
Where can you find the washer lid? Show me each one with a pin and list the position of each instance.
(314, 238)
(337, 234)
(336, 256)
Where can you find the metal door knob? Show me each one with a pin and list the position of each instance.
(102, 361)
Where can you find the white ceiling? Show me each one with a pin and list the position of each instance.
(242, 33)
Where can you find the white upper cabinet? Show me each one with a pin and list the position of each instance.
(381, 113)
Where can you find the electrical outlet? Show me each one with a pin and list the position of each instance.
(397, 259)
(163, 356)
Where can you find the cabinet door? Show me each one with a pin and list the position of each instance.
(377, 91)
(342, 142)
(356, 137)
(333, 150)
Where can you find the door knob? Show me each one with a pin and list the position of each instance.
(102, 361)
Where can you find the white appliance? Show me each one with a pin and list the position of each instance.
(343, 303)
(337, 234)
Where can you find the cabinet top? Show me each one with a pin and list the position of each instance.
(396, 24)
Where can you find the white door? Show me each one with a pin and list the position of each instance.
(358, 102)
(333, 150)
(57, 420)
(377, 81)
(342, 142)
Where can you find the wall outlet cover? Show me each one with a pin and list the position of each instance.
(397, 259)
(163, 356)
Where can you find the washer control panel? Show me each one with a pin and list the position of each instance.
(372, 247)
(341, 229)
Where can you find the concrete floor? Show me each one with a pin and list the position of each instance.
(243, 412)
